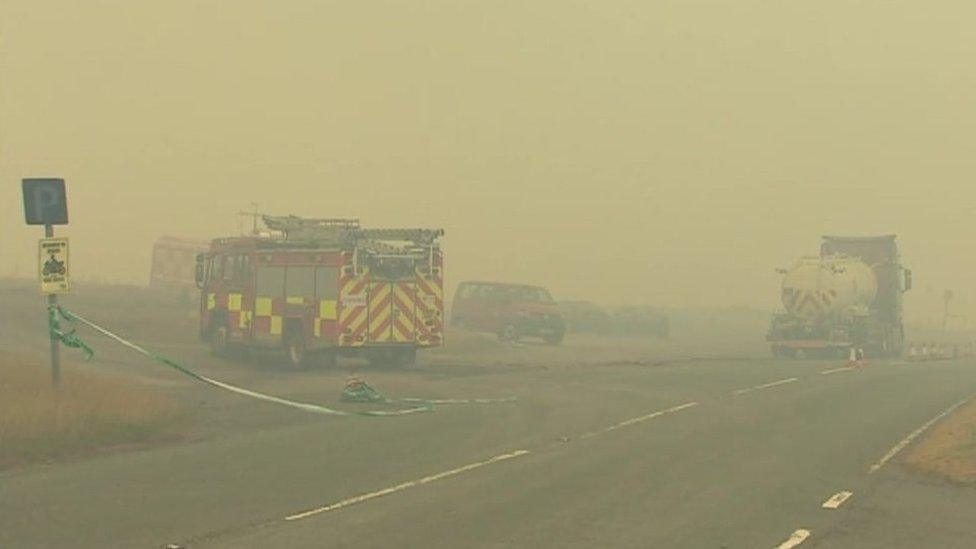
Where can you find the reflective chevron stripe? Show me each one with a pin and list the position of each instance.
(380, 312)
(403, 311)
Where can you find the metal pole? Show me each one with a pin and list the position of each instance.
(52, 301)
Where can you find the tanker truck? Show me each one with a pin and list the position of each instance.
(848, 296)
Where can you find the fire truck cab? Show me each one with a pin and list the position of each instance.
(324, 287)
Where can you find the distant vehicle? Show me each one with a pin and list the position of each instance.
(174, 263)
(511, 311)
(848, 296)
(636, 320)
(588, 317)
(324, 285)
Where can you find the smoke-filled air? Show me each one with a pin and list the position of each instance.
(440, 273)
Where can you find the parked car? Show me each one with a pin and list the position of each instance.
(511, 311)
(633, 320)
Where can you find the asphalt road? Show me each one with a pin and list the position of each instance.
(707, 454)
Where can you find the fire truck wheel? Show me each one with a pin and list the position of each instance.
(218, 341)
(329, 358)
(295, 347)
(405, 357)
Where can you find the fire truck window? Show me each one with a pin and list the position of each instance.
(232, 265)
(327, 282)
(300, 281)
(217, 271)
(270, 281)
(242, 265)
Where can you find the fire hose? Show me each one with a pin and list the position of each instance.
(357, 392)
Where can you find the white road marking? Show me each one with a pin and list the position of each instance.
(653, 415)
(912, 436)
(835, 370)
(797, 538)
(405, 485)
(765, 386)
(837, 500)
(640, 419)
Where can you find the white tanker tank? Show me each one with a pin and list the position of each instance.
(818, 287)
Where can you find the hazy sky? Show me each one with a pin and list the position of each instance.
(662, 152)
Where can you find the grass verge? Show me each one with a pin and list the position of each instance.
(91, 412)
(949, 451)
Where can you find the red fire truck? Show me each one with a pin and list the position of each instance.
(324, 287)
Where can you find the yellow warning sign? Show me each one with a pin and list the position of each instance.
(53, 265)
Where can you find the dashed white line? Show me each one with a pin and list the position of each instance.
(797, 538)
(835, 370)
(640, 419)
(837, 500)
(764, 386)
(651, 416)
(405, 485)
(912, 436)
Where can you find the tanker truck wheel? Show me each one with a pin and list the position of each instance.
(784, 352)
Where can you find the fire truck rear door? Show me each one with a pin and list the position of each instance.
(404, 321)
(380, 312)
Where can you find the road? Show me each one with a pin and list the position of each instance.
(699, 454)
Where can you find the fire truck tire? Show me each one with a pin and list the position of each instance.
(295, 350)
(405, 357)
(329, 358)
(218, 341)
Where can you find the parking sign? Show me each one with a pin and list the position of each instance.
(45, 201)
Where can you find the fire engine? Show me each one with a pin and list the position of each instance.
(326, 287)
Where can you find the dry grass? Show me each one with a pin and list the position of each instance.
(91, 412)
(949, 451)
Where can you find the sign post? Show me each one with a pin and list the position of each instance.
(46, 203)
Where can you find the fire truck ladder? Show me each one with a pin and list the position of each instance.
(346, 230)
(420, 237)
(292, 223)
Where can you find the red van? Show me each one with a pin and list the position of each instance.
(509, 310)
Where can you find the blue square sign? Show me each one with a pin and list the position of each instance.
(45, 201)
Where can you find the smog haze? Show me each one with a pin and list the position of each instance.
(670, 153)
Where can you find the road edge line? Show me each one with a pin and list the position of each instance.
(903, 443)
